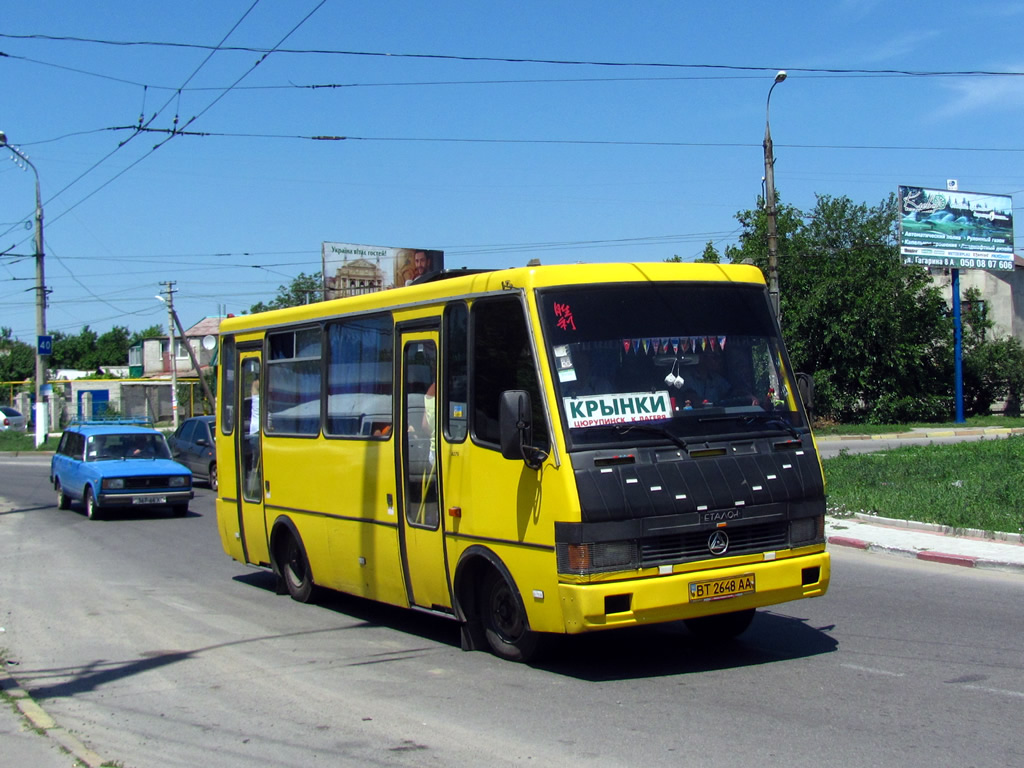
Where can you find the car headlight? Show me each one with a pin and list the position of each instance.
(178, 481)
(113, 483)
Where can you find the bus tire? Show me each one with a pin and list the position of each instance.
(504, 620)
(294, 568)
(721, 626)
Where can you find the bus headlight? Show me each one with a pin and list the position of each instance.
(807, 530)
(582, 559)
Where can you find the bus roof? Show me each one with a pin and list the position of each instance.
(471, 281)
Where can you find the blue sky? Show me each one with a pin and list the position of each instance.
(461, 139)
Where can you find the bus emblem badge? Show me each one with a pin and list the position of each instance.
(718, 542)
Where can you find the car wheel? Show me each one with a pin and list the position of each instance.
(298, 579)
(63, 500)
(504, 621)
(92, 509)
(722, 626)
(213, 477)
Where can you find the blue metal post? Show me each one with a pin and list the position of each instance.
(958, 363)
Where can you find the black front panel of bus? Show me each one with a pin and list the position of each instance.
(668, 501)
(725, 484)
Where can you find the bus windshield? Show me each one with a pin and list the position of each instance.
(668, 362)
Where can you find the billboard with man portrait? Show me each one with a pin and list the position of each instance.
(351, 270)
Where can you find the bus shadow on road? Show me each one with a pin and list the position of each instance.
(654, 651)
(670, 649)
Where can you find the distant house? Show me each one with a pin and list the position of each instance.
(1002, 291)
(153, 359)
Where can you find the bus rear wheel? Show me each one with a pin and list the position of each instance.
(722, 626)
(295, 572)
(504, 621)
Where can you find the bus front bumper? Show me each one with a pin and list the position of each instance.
(675, 596)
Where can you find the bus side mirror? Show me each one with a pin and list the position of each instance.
(515, 425)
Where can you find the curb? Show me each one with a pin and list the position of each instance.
(42, 722)
(927, 433)
(945, 558)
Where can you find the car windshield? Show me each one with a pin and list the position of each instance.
(126, 446)
(695, 360)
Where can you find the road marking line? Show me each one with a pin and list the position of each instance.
(871, 670)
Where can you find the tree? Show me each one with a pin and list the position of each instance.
(993, 369)
(17, 359)
(152, 332)
(874, 332)
(304, 289)
(112, 347)
(709, 256)
(75, 352)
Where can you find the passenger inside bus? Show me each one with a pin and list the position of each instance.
(705, 383)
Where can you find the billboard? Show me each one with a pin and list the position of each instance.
(351, 270)
(954, 229)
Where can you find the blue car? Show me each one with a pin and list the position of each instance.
(108, 466)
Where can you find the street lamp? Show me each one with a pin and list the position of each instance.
(40, 407)
(769, 201)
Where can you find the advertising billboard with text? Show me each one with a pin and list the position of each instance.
(957, 230)
(351, 270)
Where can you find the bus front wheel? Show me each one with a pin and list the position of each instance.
(504, 621)
(294, 568)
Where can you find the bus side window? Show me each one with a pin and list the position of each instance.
(359, 377)
(227, 387)
(502, 360)
(456, 375)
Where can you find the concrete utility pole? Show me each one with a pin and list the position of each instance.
(194, 359)
(40, 418)
(769, 202)
(172, 354)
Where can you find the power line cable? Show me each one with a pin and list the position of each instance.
(514, 60)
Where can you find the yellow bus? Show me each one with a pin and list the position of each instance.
(549, 449)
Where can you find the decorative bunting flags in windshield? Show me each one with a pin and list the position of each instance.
(662, 345)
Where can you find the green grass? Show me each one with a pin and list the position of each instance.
(974, 484)
(24, 441)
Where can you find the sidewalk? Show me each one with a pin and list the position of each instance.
(926, 541)
(30, 737)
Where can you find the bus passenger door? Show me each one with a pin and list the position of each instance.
(249, 470)
(422, 528)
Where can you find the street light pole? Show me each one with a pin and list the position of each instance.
(40, 406)
(769, 201)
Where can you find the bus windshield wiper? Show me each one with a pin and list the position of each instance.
(652, 428)
(771, 419)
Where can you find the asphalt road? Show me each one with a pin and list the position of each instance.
(140, 636)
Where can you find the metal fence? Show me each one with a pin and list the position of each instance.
(98, 398)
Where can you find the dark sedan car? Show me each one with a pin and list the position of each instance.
(193, 445)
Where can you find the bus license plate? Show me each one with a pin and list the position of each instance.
(149, 499)
(720, 589)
